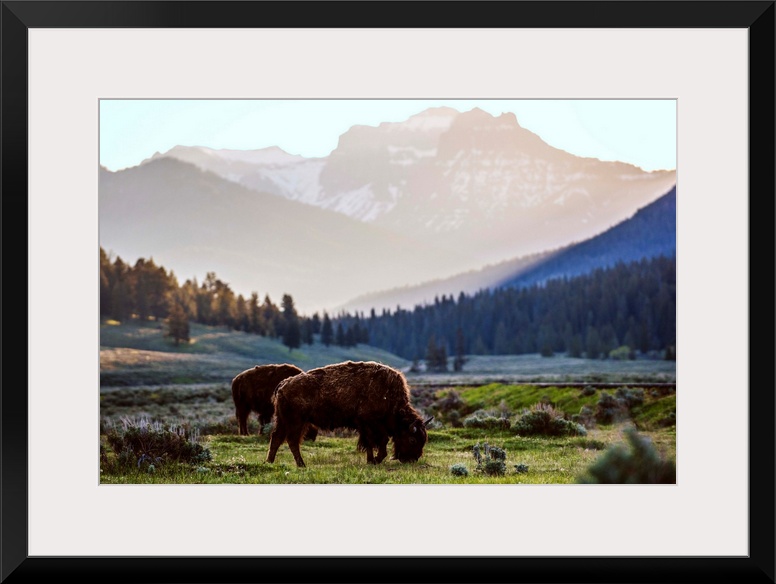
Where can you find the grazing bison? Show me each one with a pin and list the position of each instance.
(368, 397)
(252, 391)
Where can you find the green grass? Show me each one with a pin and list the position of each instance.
(143, 374)
(656, 413)
(333, 460)
(519, 397)
(137, 353)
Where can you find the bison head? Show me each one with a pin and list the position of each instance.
(409, 442)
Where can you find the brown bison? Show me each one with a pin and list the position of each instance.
(252, 391)
(368, 397)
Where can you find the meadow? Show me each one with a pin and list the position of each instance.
(529, 419)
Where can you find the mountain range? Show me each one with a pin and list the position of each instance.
(650, 232)
(438, 195)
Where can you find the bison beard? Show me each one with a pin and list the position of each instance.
(253, 389)
(368, 397)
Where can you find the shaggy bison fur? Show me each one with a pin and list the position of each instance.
(252, 391)
(368, 397)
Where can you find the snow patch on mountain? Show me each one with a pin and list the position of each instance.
(298, 182)
(265, 156)
(359, 203)
(432, 119)
(409, 155)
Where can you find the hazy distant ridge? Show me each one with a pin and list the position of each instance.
(452, 176)
(436, 196)
(650, 232)
(194, 222)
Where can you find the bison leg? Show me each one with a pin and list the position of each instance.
(294, 439)
(276, 439)
(265, 417)
(365, 444)
(382, 451)
(242, 420)
(311, 434)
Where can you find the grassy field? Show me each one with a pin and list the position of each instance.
(334, 460)
(137, 354)
(483, 369)
(146, 379)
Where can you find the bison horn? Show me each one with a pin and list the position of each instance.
(425, 423)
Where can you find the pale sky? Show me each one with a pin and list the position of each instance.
(640, 132)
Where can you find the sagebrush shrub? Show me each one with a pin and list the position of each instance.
(450, 401)
(617, 407)
(226, 425)
(669, 420)
(591, 444)
(544, 420)
(459, 470)
(487, 419)
(609, 409)
(491, 460)
(145, 443)
(454, 419)
(450, 408)
(640, 463)
(585, 417)
(630, 397)
(494, 467)
(503, 409)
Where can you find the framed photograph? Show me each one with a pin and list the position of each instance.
(85, 83)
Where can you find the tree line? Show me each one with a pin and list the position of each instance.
(619, 311)
(146, 291)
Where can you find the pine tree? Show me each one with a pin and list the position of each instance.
(225, 308)
(242, 318)
(141, 292)
(350, 337)
(119, 302)
(255, 316)
(316, 323)
(575, 346)
(500, 340)
(292, 334)
(436, 356)
(178, 324)
(270, 314)
(460, 349)
(106, 273)
(307, 331)
(327, 332)
(592, 343)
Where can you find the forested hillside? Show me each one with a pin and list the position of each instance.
(629, 308)
(629, 305)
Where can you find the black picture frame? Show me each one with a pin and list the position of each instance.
(755, 16)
